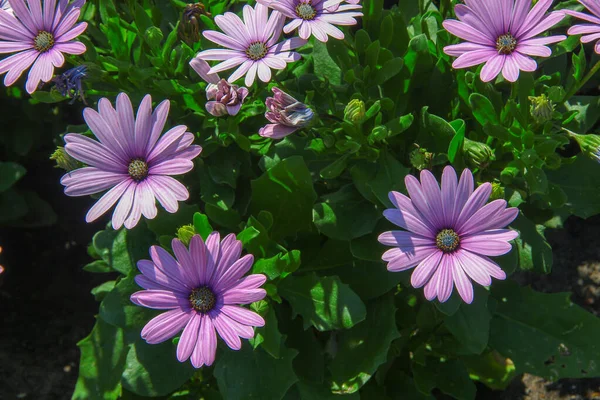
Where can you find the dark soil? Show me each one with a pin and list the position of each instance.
(46, 306)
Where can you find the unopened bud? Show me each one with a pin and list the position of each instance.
(379, 133)
(477, 154)
(541, 108)
(355, 111)
(589, 144)
(185, 234)
(64, 160)
(497, 191)
(421, 159)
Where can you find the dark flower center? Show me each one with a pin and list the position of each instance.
(138, 170)
(506, 44)
(43, 41)
(256, 51)
(306, 11)
(202, 299)
(447, 240)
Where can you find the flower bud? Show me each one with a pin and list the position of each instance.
(589, 144)
(379, 133)
(64, 161)
(69, 83)
(286, 114)
(355, 111)
(497, 191)
(185, 234)
(421, 159)
(189, 26)
(477, 154)
(541, 108)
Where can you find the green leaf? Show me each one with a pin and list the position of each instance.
(451, 377)
(282, 264)
(325, 66)
(389, 177)
(483, 110)
(268, 336)
(471, 323)
(362, 349)
(535, 253)
(286, 191)
(10, 173)
(153, 369)
(102, 361)
(247, 374)
(326, 303)
(345, 214)
(201, 225)
(457, 141)
(310, 391)
(544, 334)
(168, 224)
(581, 188)
(117, 308)
(129, 247)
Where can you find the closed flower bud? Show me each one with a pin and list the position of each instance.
(477, 154)
(589, 144)
(286, 114)
(64, 161)
(69, 83)
(497, 191)
(421, 159)
(189, 26)
(379, 133)
(541, 108)
(185, 234)
(355, 111)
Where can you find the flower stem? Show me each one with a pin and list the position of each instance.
(586, 78)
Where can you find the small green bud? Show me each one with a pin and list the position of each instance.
(379, 133)
(541, 108)
(420, 158)
(589, 144)
(64, 160)
(497, 191)
(477, 154)
(355, 111)
(185, 234)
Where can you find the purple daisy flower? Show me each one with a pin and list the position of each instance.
(39, 38)
(203, 290)
(130, 159)
(590, 31)
(251, 43)
(501, 34)
(449, 234)
(316, 17)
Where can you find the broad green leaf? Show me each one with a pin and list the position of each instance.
(362, 349)
(117, 308)
(580, 188)
(345, 214)
(389, 177)
(471, 323)
(286, 191)
(483, 110)
(129, 247)
(310, 391)
(544, 334)
(248, 374)
(153, 369)
(102, 361)
(325, 303)
(10, 173)
(282, 264)
(201, 225)
(535, 253)
(268, 336)
(451, 377)
(325, 66)
(167, 223)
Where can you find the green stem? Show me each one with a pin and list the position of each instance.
(576, 88)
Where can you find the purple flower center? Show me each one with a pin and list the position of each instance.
(447, 240)
(43, 41)
(202, 299)
(138, 170)
(256, 51)
(506, 44)
(306, 11)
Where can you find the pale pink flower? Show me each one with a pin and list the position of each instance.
(590, 31)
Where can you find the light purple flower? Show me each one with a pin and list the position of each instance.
(39, 38)
(316, 17)
(224, 97)
(203, 290)
(449, 234)
(501, 34)
(130, 159)
(251, 43)
(590, 31)
(286, 114)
